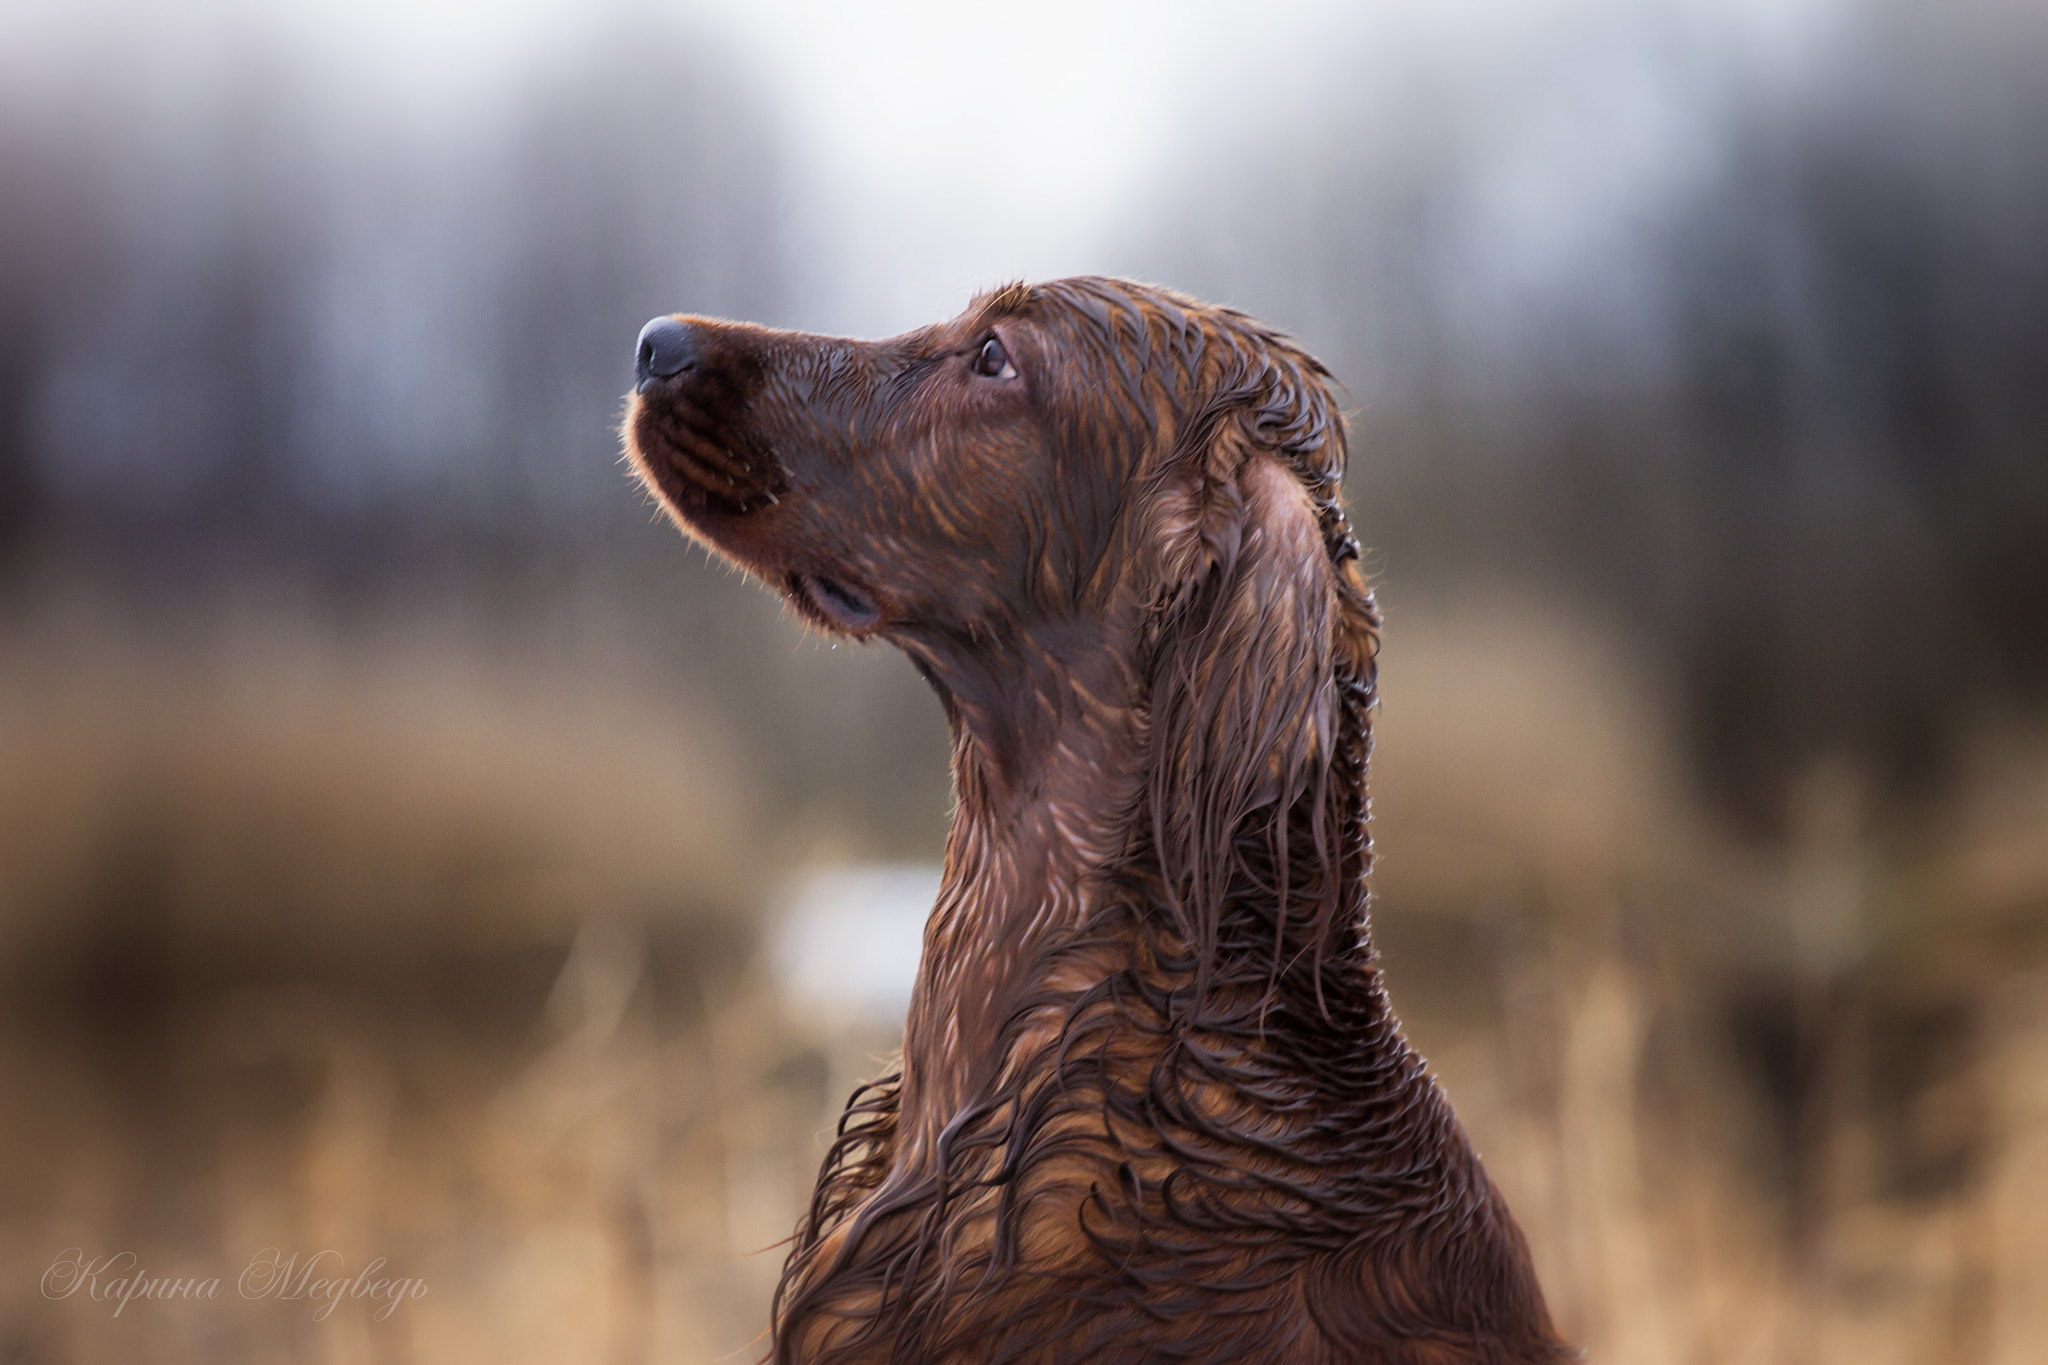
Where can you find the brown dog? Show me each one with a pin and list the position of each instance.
(1153, 1104)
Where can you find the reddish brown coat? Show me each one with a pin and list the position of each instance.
(1153, 1104)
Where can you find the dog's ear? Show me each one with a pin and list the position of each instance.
(1261, 647)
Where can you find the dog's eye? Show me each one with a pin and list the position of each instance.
(993, 361)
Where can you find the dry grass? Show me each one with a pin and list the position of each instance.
(404, 949)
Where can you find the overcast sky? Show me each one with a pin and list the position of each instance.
(940, 147)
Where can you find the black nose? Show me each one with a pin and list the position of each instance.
(667, 348)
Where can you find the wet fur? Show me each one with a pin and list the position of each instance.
(1153, 1104)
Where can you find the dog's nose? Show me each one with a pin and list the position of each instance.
(667, 348)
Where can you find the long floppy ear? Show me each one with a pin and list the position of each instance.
(1263, 643)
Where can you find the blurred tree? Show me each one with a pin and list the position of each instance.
(20, 491)
(290, 327)
(1862, 384)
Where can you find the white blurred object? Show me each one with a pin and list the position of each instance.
(847, 946)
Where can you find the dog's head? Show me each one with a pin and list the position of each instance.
(1085, 465)
(904, 488)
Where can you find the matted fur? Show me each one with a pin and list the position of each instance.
(1153, 1104)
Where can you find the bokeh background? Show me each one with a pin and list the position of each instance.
(410, 848)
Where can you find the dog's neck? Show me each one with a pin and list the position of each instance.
(1048, 766)
(1051, 768)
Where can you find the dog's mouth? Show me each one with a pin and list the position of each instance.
(836, 603)
(700, 465)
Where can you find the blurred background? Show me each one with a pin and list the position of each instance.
(410, 848)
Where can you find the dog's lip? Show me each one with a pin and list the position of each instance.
(702, 474)
(839, 602)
